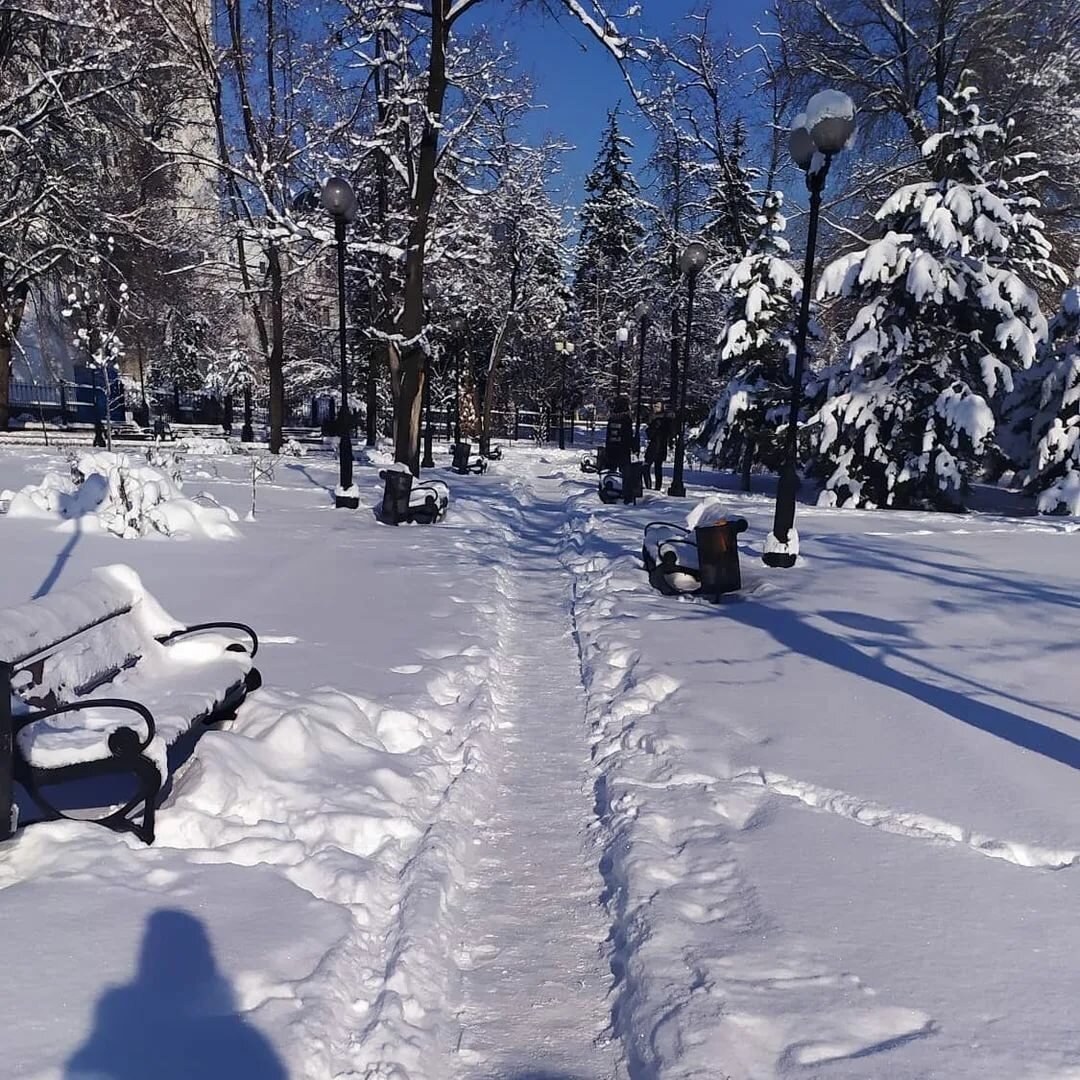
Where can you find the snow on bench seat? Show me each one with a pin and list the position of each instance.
(179, 683)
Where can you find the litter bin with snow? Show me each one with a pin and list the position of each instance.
(718, 556)
(395, 502)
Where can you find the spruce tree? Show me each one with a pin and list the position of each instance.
(1054, 471)
(607, 279)
(757, 347)
(947, 320)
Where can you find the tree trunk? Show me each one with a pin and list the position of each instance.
(276, 358)
(10, 320)
(409, 409)
(411, 321)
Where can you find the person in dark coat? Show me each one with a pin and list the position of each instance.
(659, 435)
(619, 439)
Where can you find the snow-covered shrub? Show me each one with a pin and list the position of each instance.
(948, 319)
(107, 492)
(1053, 416)
(757, 348)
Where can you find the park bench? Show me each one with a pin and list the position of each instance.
(422, 504)
(98, 681)
(624, 483)
(702, 561)
(460, 460)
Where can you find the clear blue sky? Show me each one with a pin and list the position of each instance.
(578, 82)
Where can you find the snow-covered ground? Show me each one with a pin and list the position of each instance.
(500, 811)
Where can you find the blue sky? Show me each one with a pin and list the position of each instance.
(578, 83)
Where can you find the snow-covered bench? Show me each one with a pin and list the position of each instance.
(671, 558)
(98, 680)
(423, 503)
(675, 564)
(625, 483)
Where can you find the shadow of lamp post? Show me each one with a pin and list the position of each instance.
(691, 263)
(340, 201)
(817, 135)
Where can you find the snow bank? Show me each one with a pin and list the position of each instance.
(115, 493)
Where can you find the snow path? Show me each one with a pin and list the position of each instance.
(536, 977)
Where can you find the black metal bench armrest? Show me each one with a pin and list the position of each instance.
(667, 525)
(26, 719)
(198, 627)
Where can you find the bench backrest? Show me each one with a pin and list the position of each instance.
(64, 643)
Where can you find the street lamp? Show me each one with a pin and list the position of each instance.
(457, 327)
(691, 262)
(817, 135)
(622, 335)
(564, 349)
(340, 201)
(641, 313)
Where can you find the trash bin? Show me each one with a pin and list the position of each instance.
(601, 459)
(632, 483)
(460, 461)
(718, 556)
(395, 503)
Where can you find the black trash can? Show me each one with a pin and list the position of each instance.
(460, 461)
(632, 483)
(395, 503)
(601, 459)
(718, 556)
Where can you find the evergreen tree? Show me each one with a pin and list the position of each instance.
(947, 320)
(607, 279)
(732, 217)
(1054, 471)
(757, 347)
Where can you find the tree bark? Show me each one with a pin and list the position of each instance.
(10, 320)
(276, 359)
(410, 323)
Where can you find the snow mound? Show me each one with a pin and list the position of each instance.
(114, 493)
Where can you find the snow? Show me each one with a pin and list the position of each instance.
(501, 809)
(112, 493)
(827, 105)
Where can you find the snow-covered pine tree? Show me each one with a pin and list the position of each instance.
(757, 347)
(1054, 471)
(607, 278)
(946, 321)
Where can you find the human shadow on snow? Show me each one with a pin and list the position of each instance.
(177, 1019)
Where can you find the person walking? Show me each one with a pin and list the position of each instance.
(659, 435)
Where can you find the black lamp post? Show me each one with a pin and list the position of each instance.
(641, 313)
(247, 433)
(457, 327)
(338, 198)
(812, 149)
(621, 337)
(691, 262)
(564, 349)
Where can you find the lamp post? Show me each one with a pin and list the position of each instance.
(641, 313)
(817, 135)
(247, 432)
(340, 201)
(691, 262)
(564, 349)
(457, 328)
(622, 335)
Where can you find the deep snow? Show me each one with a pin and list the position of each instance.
(502, 811)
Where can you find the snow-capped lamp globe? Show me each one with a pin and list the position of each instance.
(692, 261)
(340, 200)
(817, 136)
